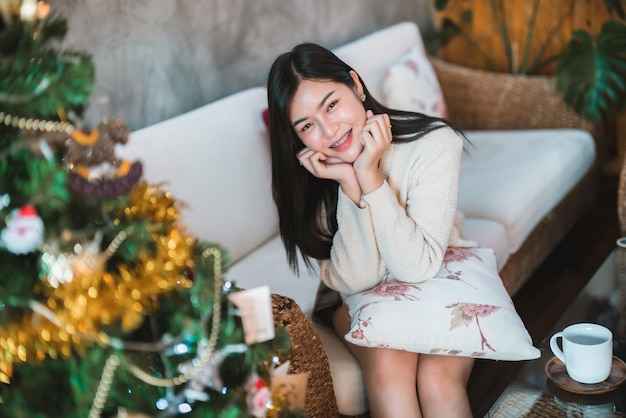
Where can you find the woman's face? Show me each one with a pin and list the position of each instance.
(328, 118)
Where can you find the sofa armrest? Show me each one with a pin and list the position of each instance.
(307, 356)
(483, 100)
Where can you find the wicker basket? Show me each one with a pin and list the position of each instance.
(479, 99)
(307, 356)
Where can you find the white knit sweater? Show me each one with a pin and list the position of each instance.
(404, 227)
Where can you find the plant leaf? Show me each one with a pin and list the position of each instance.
(441, 4)
(449, 30)
(467, 17)
(615, 6)
(591, 75)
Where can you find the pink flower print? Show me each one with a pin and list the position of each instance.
(391, 289)
(457, 255)
(358, 334)
(465, 313)
(412, 64)
(397, 290)
(473, 309)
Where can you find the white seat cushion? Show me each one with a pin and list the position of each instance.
(488, 234)
(517, 177)
(267, 265)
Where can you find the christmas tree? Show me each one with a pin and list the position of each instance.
(108, 306)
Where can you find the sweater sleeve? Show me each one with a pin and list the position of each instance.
(412, 237)
(355, 263)
(402, 228)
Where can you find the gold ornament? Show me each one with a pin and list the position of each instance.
(72, 315)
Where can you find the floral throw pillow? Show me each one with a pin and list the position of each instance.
(411, 84)
(463, 311)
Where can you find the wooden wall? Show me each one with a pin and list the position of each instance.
(585, 14)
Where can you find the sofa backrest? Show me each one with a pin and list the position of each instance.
(371, 55)
(215, 160)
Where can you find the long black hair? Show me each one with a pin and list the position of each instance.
(307, 205)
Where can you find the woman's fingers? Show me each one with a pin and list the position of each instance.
(304, 155)
(321, 166)
(377, 132)
(380, 126)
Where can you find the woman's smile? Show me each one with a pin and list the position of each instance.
(344, 142)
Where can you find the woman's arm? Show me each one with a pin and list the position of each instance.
(413, 214)
(402, 227)
(355, 263)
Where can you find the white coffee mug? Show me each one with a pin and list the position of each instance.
(587, 351)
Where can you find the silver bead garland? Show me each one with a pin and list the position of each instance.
(104, 386)
(35, 124)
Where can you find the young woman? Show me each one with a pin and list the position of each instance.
(368, 192)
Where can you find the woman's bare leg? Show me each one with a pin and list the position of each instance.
(442, 385)
(390, 375)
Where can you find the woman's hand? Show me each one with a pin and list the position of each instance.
(375, 137)
(323, 167)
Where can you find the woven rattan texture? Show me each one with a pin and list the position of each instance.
(483, 100)
(549, 232)
(478, 99)
(307, 356)
(521, 404)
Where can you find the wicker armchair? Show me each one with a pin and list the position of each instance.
(484, 100)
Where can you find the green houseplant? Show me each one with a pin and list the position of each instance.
(590, 73)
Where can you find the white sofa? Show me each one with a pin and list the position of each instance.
(216, 159)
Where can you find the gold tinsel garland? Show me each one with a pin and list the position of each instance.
(75, 312)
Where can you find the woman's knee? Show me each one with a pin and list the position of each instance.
(390, 366)
(380, 364)
(440, 377)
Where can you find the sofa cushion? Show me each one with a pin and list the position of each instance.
(216, 160)
(463, 311)
(411, 84)
(488, 234)
(517, 177)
